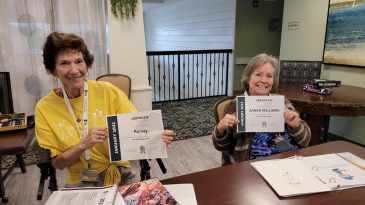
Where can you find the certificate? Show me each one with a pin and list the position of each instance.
(260, 113)
(134, 136)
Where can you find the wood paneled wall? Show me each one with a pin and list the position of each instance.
(190, 25)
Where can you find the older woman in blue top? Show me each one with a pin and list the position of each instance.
(260, 78)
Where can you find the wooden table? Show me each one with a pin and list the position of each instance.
(14, 142)
(241, 184)
(344, 101)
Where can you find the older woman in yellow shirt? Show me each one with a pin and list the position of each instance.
(60, 116)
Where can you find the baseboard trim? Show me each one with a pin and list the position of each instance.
(334, 137)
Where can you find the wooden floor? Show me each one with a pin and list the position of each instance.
(186, 156)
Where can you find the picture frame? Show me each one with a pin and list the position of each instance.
(345, 33)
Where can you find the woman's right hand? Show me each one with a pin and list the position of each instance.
(68, 157)
(94, 136)
(227, 121)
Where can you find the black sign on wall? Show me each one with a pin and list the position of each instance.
(6, 99)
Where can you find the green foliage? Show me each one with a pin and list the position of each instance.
(124, 8)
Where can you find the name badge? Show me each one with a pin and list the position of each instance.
(282, 144)
(90, 176)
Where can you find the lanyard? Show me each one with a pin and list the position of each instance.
(84, 116)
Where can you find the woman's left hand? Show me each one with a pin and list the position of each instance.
(291, 118)
(168, 137)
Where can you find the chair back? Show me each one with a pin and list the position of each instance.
(123, 82)
(299, 71)
(219, 107)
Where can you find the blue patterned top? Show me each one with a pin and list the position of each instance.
(263, 144)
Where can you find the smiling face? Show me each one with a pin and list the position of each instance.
(261, 80)
(71, 69)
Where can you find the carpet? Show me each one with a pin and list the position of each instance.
(33, 155)
(188, 118)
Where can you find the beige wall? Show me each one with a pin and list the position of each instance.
(128, 55)
(306, 43)
(252, 35)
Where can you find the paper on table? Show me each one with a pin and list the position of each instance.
(83, 196)
(336, 171)
(134, 136)
(290, 177)
(183, 193)
(119, 199)
(313, 174)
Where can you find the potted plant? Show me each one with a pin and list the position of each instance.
(124, 8)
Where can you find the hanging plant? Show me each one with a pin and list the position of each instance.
(124, 8)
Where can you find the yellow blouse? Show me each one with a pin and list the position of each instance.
(55, 128)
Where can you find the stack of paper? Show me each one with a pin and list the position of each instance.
(83, 196)
(140, 193)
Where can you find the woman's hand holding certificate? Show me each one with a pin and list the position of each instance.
(137, 135)
(291, 118)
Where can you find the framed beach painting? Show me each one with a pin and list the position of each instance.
(345, 33)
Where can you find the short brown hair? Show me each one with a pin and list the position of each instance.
(256, 62)
(58, 42)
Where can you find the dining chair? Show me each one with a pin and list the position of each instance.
(47, 170)
(124, 82)
(44, 163)
(220, 106)
(292, 71)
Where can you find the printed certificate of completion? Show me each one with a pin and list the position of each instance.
(260, 113)
(134, 136)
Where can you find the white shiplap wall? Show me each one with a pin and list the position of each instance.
(190, 25)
